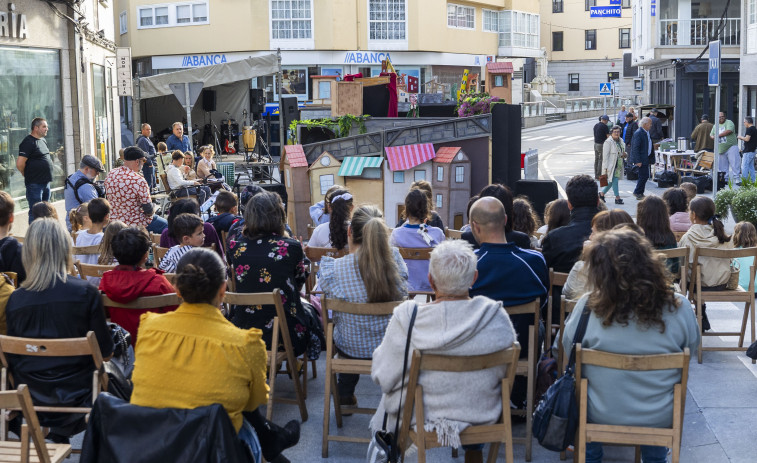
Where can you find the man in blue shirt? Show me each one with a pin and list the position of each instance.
(641, 149)
(144, 142)
(79, 187)
(178, 141)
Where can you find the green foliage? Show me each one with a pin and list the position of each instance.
(723, 200)
(341, 126)
(744, 205)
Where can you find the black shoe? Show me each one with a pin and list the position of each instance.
(276, 439)
(639, 197)
(705, 320)
(58, 439)
(602, 197)
(619, 201)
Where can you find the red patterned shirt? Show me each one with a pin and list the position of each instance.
(127, 191)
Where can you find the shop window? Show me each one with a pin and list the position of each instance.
(399, 176)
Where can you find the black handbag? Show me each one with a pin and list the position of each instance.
(556, 416)
(384, 447)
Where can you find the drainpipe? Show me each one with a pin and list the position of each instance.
(75, 57)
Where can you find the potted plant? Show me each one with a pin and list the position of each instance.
(741, 201)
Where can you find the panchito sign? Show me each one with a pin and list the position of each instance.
(605, 12)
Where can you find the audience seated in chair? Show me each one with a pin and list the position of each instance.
(556, 215)
(10, 248)
(678, 208)
(226, 206)
(372, 272)
(744, 236)
(333, 234)
(98, 216)
(130, 280)
(106, 250)
(434, 220)
(505, 196)
(188, 231)
(633, 311)
(526, 220)
(189, 206)
(193, 357)
(52, 304)
(471, 326)
(415, 233)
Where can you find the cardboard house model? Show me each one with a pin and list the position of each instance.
(362, 175)
(499, 80)
(405, 164)
(294, 167)
(324, 173)
(452, 185)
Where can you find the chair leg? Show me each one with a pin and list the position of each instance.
(530, 393)
(337, 402)
(743, 324)
(637, 454)
(326, 415)
(493, 451)
(315, 371)
(699, 322)
(751, 313)
(305, 377)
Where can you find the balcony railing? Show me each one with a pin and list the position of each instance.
(673, 31)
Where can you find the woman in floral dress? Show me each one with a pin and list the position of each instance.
(263, 258)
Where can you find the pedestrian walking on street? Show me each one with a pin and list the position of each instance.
(641, 149)
(728, 149)
(621, 119)
(614, 151)
(601, 132)
(35, 164)
(750, 145)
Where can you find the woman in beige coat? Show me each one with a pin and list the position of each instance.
(613, 153)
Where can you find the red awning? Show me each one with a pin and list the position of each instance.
(500, 68)
(446, 154)
(408, 156)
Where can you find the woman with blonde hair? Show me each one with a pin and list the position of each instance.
(189, 161)
(51, 304)
(79, 218)
(745, 236)
(106, 250)
(373, 271)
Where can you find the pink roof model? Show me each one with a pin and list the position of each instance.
(408, 156)
(296, 156)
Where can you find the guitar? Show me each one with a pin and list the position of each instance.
(229, 146)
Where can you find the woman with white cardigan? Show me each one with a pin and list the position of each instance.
(613, 153)
(454, 324)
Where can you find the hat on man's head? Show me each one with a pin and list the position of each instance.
(133, 153)
(605, 117)
(93, 162)
(705, 117)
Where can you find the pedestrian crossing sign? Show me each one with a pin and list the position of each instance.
(605, 89)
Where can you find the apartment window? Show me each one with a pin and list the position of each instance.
(183, 14)
(491, 21)
(153, 16)
(589, 4)
(625, 38)
(463, 17)
(557, 41)
(291, 19)
(519, 29)
(439, 173)
(459, 174)
(399, 176)
(439, 200)
(752, 14)
(122, 23)
(327, 181)
(591, 39)
(573, 83)
(625, 4)
(557, 6)
(419, 175)
(386, 20)
(175, 14)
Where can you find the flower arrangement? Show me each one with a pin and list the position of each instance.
(472, 104)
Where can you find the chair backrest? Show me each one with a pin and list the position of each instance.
(682, 254)
(315, 254)
(92, 270)
(355, 308)
(164, 181)
(274, 297)
(158, 253)
(678, 236)
(723, 254)
(453, 234)
(147, 302)
(557, 278)
(86, 250)
(155, 238)
(530, 308)
(416, 253)
(13, 277)
(21, 399)
(171, 277)
(64, 347)
(708, 157)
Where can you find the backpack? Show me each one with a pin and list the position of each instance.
(81, 182)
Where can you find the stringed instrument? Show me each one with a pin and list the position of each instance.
(229, 145)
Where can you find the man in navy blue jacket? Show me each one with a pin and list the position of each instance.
(641, 149)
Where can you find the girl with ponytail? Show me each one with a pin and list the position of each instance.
(707, 231)
(373, 271)
(333, 234)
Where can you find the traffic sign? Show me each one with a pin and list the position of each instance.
(605, 12)
(615, 2)
(713, 70)
(605, 89)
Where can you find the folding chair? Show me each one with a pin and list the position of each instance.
(555, 279)
(567, 308)
(276, 357)
(158, 254)
(682, 254)
(85, 251)
(453, 234)
(631, 435)
(527, 367)
(315, 254)
(336, 365)
(416, 253)
(92, 270)
(21, 400)
(64, 347)
(143, 303)
(745, 295)
(155, 238)
(172, 192)
(500, 432)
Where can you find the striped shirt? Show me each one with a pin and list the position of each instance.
(169, 262)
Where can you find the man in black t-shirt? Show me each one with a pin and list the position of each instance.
(750, 146)
(35, 164)
(601, 132)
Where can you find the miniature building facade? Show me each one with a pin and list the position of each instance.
(363, 177)
(452, 185)
(324, 173)
(499, 80)
(294, 167)
(405, 165)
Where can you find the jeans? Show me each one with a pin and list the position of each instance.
(36, 193)
(157, 225)
(649, 453)
(614, 186)
(598, 151)
(747, 165)
(730, 163)
(148, 170)
(250, 438)
(641, 183)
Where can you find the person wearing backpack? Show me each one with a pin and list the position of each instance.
(80, 186)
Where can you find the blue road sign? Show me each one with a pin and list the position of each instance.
(605, 12)
(605, 89)
(713, 69)
(614, 2)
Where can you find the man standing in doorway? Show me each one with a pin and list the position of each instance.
(701, 135)
(750, 146)
(641, 149)
(728, 149)
(144, 142)
(35, 164)
(601, 132)
(178, 141)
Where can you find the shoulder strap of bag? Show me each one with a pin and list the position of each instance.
(579, 337)
(404, 366)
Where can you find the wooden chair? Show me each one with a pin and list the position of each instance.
(745, 295)
(143, 303)
(158, 254)
(415, 253)
(277, 357)
(92, 270)
(631, 435)
(555, 279)
(315, 254)
(172, 192)
(155, 238)
(171, 277)
(65, 347)
(527, 367)
(13, 277)
(682, 254)
(500, 432)
(20, 451)
(567, 306)
(678, 236)
(225, 242)
(336, 365)
(453, 234)
(702, 167)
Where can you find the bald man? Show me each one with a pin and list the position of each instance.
(506, 272)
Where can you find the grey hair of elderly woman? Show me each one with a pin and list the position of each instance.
(453, 267)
